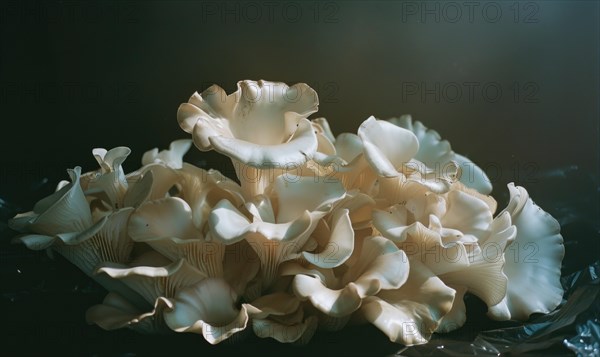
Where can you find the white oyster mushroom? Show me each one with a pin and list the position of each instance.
(173, 157)
(106, 240)
(262, 125)
(66, 210)
(416, 198)
(348, 146)
(352, 167)
(425, 243)
(109, 183)
(387, 226)
(278, 231)
(360, 207)
(63, 222)
(489, 200)
(484, 277)
(325, 129)
(167, 226)
(415, 180)
(338, 158)
(116, 312)
(455, 237)
(409, 315)
(434, 152)
(176, 225)
(164, 218)
(153, 281)
(161, 180)
(285, 327)
(337, 244)
(467, 214)
(207, 308)
(344, 162)
(457, 316)
(381, 266)
(200, 189)
(357, 173)
(273, 242)
(184, 300)
(108, 188)
(162, 169)
(387, 147)
(389, 150)
(325, 152)
(454, 217)
(533, 261)
(240, 269)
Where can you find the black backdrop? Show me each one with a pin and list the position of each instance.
(512, 84)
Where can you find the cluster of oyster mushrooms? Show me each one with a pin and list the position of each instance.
(388, 226)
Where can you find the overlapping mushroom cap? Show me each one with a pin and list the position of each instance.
(433, 151)
(262, 124)
(277, 230)
(387, 226)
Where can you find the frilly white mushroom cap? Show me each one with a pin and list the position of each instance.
(343, 159)
(337, 242)
(387, 147)
(484, 276)
(457, 316)
(381, 266)
(532, 260)
(440, 229)
(106, 240)
(66, 210)
(110, 183)
(433, 151)
(348, 146)
(200, 189)
(261, 124)
(325, 152)
(167, 226)
(281, 317)
(117, 312)
(207, 308)
(426, 243)
(173, 157)
(409, 315)
(360, 208)
(153, 282)
(277, 234)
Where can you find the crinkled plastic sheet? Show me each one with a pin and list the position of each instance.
(43, 299)
(585, 343)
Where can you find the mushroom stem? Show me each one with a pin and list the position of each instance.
(254, 180)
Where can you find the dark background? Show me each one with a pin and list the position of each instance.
(75, 76)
